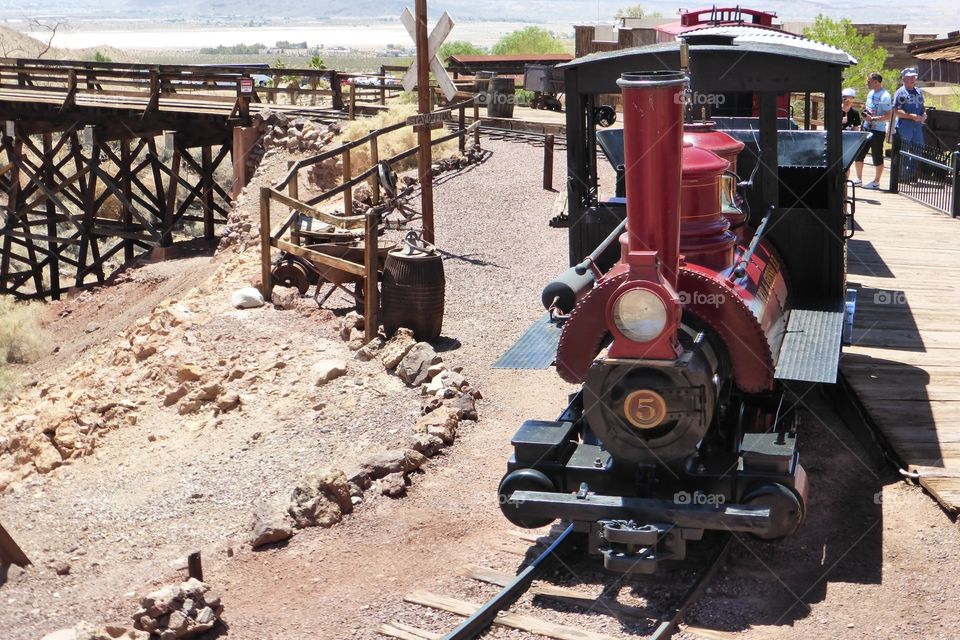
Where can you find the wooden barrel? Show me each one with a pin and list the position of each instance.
(503, 95)
(412, 292)
(482, 86)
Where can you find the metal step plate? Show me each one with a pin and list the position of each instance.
(536, 349)
(811, 348)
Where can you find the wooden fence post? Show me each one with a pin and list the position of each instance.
(462, 124)
(375, 176)
(348, 192)
(293, 190)
(371, 295)
(266, 282)
(353, 101)
(476, 119)
(548, 162)
(383, 85)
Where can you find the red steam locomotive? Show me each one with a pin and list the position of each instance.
(718, 292)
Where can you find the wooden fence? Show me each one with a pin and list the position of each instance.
(273, 238)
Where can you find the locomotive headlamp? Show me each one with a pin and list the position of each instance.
(640, 315)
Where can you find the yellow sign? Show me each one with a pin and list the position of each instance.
(645, 409)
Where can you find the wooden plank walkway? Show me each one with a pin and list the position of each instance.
(904, 364)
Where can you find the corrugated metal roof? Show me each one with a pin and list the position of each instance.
(750, 34)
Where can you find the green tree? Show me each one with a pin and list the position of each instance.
(316, 62)
(100, 57)
(458, 48)
(635, 11)
(530, 40)
(843, 35)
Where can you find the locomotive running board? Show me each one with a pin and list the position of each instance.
(811, 347)
(536, 349)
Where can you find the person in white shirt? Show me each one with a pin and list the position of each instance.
(876, 116)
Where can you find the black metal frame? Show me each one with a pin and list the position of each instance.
(935, 180)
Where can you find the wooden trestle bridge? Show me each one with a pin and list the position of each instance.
(152, 137)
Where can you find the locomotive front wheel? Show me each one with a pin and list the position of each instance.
(523, 480)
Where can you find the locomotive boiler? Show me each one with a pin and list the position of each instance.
(684, 345)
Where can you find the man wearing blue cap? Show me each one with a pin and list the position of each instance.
(908, 101)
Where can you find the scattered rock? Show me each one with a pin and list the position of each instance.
(351, 321)
(397, 347)
(394, 461)
(325, 371)
(144, 351)
(442, 424)
(177, 611)
(45, 456)
(426, 443)
(320, 499)
(228, 402)
(414, 366)
(285, 297)
(208, 393)
(247, 298)
(270, 524)
(62, 568)
(370, 350)
(91, 327)
(189, 373)
(393, 485)
(464, 405)
(174, 396)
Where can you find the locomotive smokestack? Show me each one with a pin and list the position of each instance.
(653, 142)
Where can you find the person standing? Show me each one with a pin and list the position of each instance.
(911, 114)
(850, 119)
(876, 114)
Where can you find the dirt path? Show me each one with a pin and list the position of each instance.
(123, 518)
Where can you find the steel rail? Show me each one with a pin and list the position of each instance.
(485, 615)
(667, 628)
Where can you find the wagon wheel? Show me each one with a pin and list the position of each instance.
(292, 273)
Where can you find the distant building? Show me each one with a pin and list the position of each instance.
(938, 61)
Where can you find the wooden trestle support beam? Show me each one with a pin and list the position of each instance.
(55, 180)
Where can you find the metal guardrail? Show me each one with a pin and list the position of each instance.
(927, 174)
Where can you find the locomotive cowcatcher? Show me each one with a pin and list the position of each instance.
(705, 295)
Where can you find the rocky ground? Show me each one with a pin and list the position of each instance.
(211, 414)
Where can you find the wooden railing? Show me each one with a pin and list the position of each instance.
(273, 238)
(151, 82)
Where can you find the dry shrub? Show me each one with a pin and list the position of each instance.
(392, 143)
(21, 332)
(329, 174)
(21, 338)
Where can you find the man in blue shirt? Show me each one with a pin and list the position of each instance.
(876, 114)
(910, 114)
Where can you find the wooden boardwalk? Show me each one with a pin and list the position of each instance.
(904, 364)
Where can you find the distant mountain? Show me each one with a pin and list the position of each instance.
(515, 10)
(924, 16)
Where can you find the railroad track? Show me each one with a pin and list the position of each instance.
(530, 137)
(551, 551)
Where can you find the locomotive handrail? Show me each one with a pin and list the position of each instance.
(741, 269)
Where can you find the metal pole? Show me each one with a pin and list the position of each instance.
(425, 151)
(895, 164)
(548, 162)
(955, 181)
